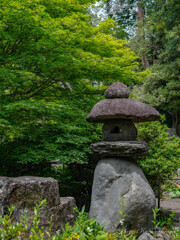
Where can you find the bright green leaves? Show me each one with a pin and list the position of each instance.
(54, 47)
(163, 157)
(53, 64)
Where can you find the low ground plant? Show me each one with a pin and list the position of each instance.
(26, 229)
(163, 219)
(84, 228)
(163, 222)
(10, 230)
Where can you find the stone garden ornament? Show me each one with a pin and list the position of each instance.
(117, 174)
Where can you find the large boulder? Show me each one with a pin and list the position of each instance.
(25, 192)
(115, 178)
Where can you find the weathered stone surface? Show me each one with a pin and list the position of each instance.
(146, 236)
(171, 132)
(114, 178)
(122, 109)
(120, 148)
(119, 130)
(178, 172)
(117, 90)
(177, 180)
(162, 236)
(25, 192)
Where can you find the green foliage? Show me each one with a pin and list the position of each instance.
(122, 233)
(26, 229)
(162, 160)
(53, 65)
(37, 232)
(177, 234)
(161, 47)
(50, 132)
(121, 211)
(162, 219)
(84, 228)
(88, 229)
(156, 222)
(174, 193)
(10, 230)
(76, 180)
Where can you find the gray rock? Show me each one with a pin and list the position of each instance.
(171, 132)
(122, 109)
(146, 236)
(162, 236)
(117, 90)
(178, 172)
(177, 180)
(114, 178)
(25, 192)
(120, 148)
(119, 130)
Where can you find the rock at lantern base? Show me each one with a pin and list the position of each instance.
(114, 178)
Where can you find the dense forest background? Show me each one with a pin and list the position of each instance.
(56, 59)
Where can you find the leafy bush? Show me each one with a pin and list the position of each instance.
(174, 193)
(162, 219)
(162, 160)
(53, 64)
(83, 228)
(10, 230)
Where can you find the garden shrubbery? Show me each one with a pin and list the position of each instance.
(162, 161)
(83, 228)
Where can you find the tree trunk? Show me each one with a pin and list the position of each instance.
(145, 62)
(176, 121)
(159, 196)
(141, 13)
(108, 8)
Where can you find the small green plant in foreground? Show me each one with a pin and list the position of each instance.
(83, 228)
(156, 221)
(162, 219)
(10, 230)
(24, 230)
(122, 233)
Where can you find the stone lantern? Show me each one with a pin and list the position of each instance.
(117, 174)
